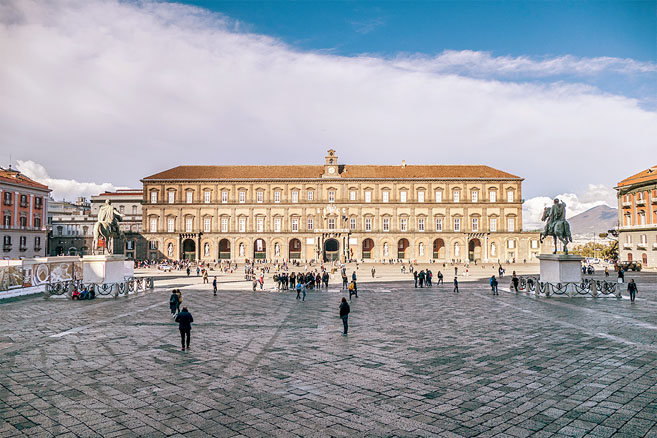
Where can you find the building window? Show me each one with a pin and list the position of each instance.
(331, 196)
(386, 196)
(493, 224)
(439, 196)
(311, 225)
(311, 195)
(457, 224)
(153, 197)
(368, 224)
(644, 239)
(420, 224)
(37, 222)
(509, 196)
(260, 196)
(6, 219)
(534, 244)
(189, 196)
(386, 224)
(22, 221)
(38, 203)
(130, 245)
(402, 196)
(242, 197)
(171, 196)
(121, 209)
(6, 240)
(153, 226)
(277, 225)
(510, 225)
(171, 225)
(22, 242)
(206, 197)
(352, 195)
(37, 243)
(456, 195)
(206, 224)
(420, 196)
(511, 244)
(492, 196)
(403, 224)
(277, 196)
(260, 225)
(331, 223)
(242, 225)
(629, 239)
(475, 224)
(295, 196)
(295, 224)
(352, 223)
(224, 224)
(188, 225)
(134, 210)
(224, 197)
(368, 196)
(475, 196)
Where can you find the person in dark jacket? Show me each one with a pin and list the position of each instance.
(456, 284)
(515, 281)
(173, 302)
(493, 285)
(214, 286)
(631, 289)
(415, 277)
(184, 320)
(344, 314)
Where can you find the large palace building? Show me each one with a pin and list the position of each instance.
(336, 212)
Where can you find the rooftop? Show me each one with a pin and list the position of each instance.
(648, 175)
(15, 177)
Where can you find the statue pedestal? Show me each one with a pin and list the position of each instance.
(561, 269)
(104, 269)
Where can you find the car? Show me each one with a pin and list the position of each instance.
(165, 268)
(630, 266)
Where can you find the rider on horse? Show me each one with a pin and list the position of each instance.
(107, 226)
(556, 225)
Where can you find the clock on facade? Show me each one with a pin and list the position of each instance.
(331, 170)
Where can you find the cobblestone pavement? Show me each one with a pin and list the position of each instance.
(416, 362)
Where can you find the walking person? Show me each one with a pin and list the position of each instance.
(214, 285)
(373, 272)
(621, 275)
(344, 314)
(298, 287)
(345, 281)
(415, 277)
(493, 285)
(184, 320)
(440, 278)
(353, 280)
(456, 284)
(631, 289)
(205, 276)
(179, 300)
(173, 303)
(515, 281)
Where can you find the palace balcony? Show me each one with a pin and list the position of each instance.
(626, 204)
(6, 247)
(627, 246)
(640, 202)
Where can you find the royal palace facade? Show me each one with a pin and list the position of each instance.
(336, 212)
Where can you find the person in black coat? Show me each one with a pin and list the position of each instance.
(173, 302)
(184, 320)
(344, 314)
(631, 289)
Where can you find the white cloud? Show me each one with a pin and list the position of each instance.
(68, 189)
(115, 91)
(593, 196)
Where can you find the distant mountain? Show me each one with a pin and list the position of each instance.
(595, 220)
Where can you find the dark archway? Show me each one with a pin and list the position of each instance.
(402, 247)
(439, 249)
(259, 249)
(189, 249)
(294, 248)
(331, 250)
(474, 250)
(224, 249)
(368, 246)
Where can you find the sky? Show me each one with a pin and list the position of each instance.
(97, 94)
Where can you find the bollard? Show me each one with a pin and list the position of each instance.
(594, 288)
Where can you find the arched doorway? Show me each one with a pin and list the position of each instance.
(474, 250)
(295, 249)
(644, 259)
(259, 249)
(224, 249)
(368, 246)
(189, 249)
(72, 251)
(331, 250)
(439, 249)
(402, 246)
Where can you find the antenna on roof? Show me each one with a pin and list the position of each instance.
(10, 161)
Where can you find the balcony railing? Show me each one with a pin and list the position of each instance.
(7, 202)
(627, 246)
(38, 206)
(641, 246)
(640, 202)
(626, 204)
(6, 246)
(23, 204)
(23, 248)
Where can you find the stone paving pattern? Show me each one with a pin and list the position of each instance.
(416, 363)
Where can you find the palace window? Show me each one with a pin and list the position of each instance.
(644, 239)
(386, 224)
(534, 244)
(153, 225)
(628, 240)
(352, 223)
(153, 197)
(456, 196)
(510, 225)
(242, 197)
(241, 223)
(403, 224)
(22, 242)
(475, 224)
(368, 196)
(368, 224)
(457, 224)
(37, 222)
(311, 195)
(224, 197)
(439, 196)
(295, 224)
(37, 242)
(260, 225)
(402, 196)
(311, 225)
(492, 196)
(121, 209)
(277, 196)
(439, 224)
(152, 244)
(331, 196)
(189, 196)
(420, 196)
(134, 209)
(206, 224)
(171, 225)
(295, 196)
(352, 195)
(331, 223)
(171, 196)
(420, 224)
(206, 197)
(475, 196)
(260, 196)
(6, 240)
(130, 244)
(386, 196)
(493, 224)
(22, 221)
(224, 224)
(277, 225)
(509, 196)
(511, 244)
(6, 218)
(189, 223)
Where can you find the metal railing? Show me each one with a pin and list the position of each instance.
(129, 285)
(587, 287)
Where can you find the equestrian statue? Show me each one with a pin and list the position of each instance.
(107, 227)
(556, 226)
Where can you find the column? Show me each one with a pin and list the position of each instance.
(486, 247)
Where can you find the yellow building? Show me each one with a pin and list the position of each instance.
(336, 212)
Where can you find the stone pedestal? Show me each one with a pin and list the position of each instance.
(561, 268)
(103, 269)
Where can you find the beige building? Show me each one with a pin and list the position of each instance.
(336, 212)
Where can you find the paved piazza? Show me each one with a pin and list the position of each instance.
(416, 362)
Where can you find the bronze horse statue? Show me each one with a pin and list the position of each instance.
(556, 226)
